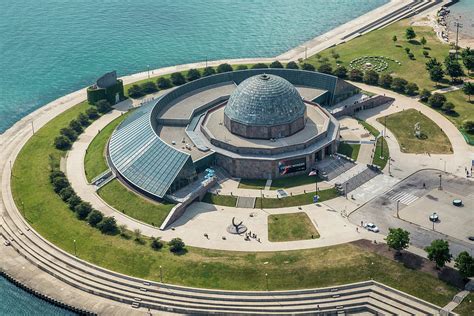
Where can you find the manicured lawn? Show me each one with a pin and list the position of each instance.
(320, 267)
(433, 140)
(466, 308)
(294, 181)
(379, 43)
(463, 111)
(224, 200)
(372, 130)
(133, 205)
(350, 150)
(256, 184)
(94, 161)
(381, 154)
(289, 227)
(296, 200)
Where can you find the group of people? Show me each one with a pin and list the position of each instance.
(249, 235)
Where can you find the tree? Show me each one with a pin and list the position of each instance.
(325, 68)
(407, 50)
(149, 87)
(468, 61)
(437, 100)
(465, 264)
(453, 68)
(56, 174)
(436, 73)
(469, 127)
(276, 64)
(224, 68)
(399, 85)
(66, 193)
(242, 67)
(176, 245)
(394, 39)
(371, 77)
(259, 66)
(411, 56)
(73, 202)
(208, 71)
(108, 225)
(468, 89)
(292, 65)
(423, 41)
(94, 218)
(308, 67)
(103, 106)
(163, 83)
(424, 95)
(62, 143)
(60, 183)
(411, 88)
(193, 74)
(438, 252)
(385, 81)
(69, 133)
(448, 107)
(177, 79)
(398, 239)
(138, 235)
(335, 54)
(426, 54)
(341, 72)
(82, 210)
(356, 75)
(83, 119)
(156, 243)
(410, 33)
(135, 91)
(92, 113)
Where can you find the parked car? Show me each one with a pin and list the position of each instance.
(371, 227)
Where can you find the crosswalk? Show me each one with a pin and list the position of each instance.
(404, 197)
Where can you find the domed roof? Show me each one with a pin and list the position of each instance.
(265, 100)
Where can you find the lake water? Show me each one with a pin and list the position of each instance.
(49, 48)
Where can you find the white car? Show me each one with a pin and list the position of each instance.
(371, 227)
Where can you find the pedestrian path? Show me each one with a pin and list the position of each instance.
(404, 197)
(365, 153)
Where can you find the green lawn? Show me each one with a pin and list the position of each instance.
(296, 200)
(256, 184)
(372, 130)
(133, 205)
(463, 111)
(224, 200)
(328, 266)
(379, 43)
(289, 227)
(381, 154)
(433, 140)
(350, 150)
(94, 161)
(294, 181)
(466, 308)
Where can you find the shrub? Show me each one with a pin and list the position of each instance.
(340, 72)
(292, 65)
(325, 69)
(407, 50)
(163, 83)
(208, 71)
(437, 100)
(242, 67)
(60, 183)
(135, 91)
(224, 68)
(149, 87)
(276, 64)
(69, 133)
(423, 41)
(371, 77)
(103, 106)
(308, 67)
(62, 143)
(76, 126)
(410, 33)
(56, 174)
(83, 119)
(156, 243)
(176, 245)
(92, 113)
(411, 88)
(193, 74)
(469, 126)
(73, 201)
(385, 81)
(426, 53)
(108, 225)
(411, 56)
(448, 107)
(259, 66)
(425, 95)
(399, 84)
(356, 75)
(66, 193)
(82, 210)
(177, 79)
(94, 218)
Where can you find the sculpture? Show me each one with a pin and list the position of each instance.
(236, 228)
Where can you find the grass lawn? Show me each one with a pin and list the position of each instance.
(372, 130)
(328, 266)
(466, 308)
(433, 140)
(379, 43)
(289, 227)
(255, 184)
(133, 205)
(350, 150)
(463, 111)
(294, 181)
(296, 200)
(94, 161)
(381, 162)
(224, 200)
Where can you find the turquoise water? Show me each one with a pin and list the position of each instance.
(463, 11)
(49, 48)
(15, 301)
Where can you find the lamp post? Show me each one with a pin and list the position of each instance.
(440, 187)
(266, 279)
(75, 248)
(345, 191)
(161, 274)
(206, 61)
(389, 162)
(148, 67)
(261, 199)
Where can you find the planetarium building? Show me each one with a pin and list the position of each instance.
(265, 123)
